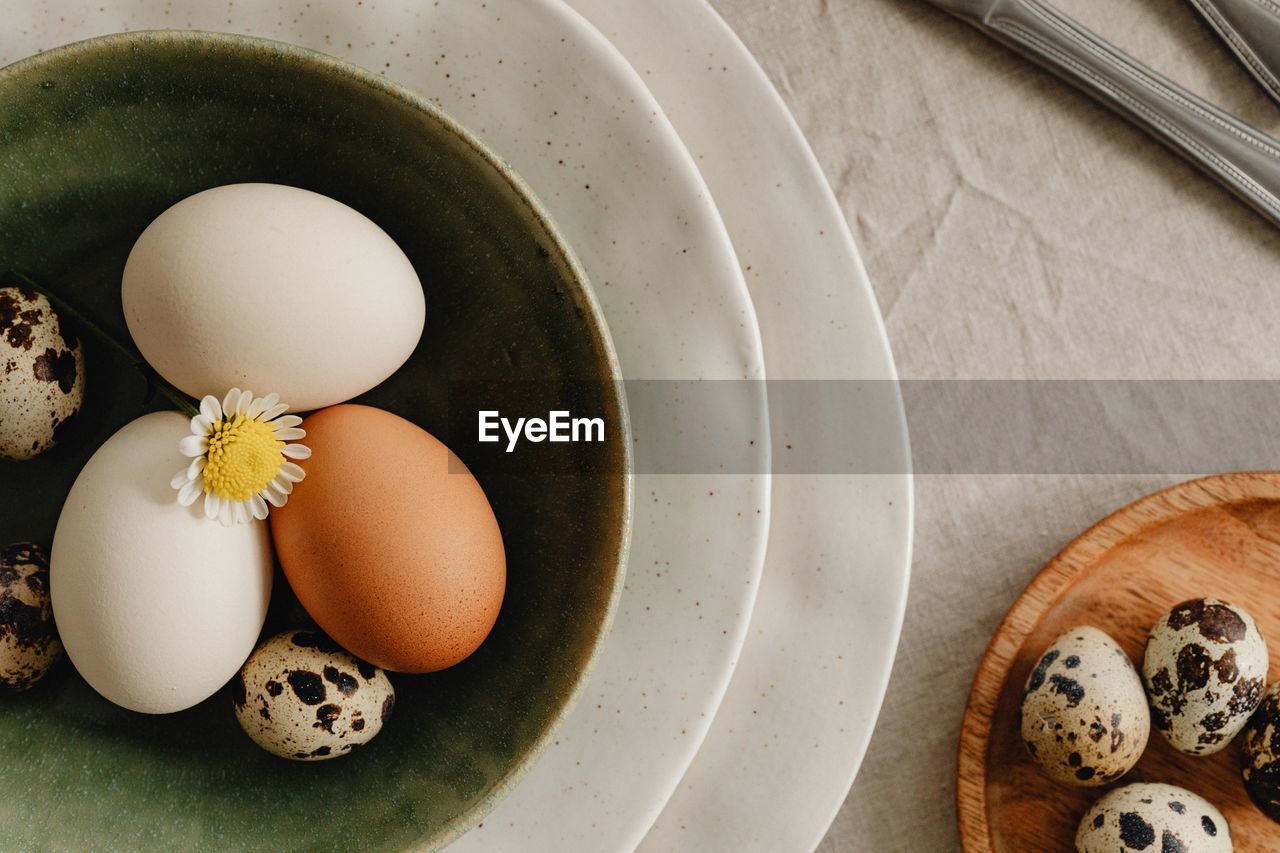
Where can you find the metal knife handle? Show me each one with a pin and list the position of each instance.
(1242, 158)
(1251, 28)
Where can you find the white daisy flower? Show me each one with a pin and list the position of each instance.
(240, 454)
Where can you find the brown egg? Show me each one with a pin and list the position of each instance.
(392, 550)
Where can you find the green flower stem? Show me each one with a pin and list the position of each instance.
(154, 380)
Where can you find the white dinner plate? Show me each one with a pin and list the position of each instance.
(550, 95)
(794, 725)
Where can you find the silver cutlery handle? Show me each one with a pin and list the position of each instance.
(1243, 159)
(1251, 28)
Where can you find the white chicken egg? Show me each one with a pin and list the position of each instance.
(157, 605)
(271, 287)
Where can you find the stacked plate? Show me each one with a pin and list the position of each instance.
(738, 689)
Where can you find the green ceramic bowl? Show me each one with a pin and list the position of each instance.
(98, 138)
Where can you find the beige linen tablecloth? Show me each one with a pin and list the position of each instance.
(1012, 229)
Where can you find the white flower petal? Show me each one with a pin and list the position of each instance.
(180, 479)
(273, 497)
(290, 434)
(211, 408)
(190, 492)
(286, 421)
(201, 425)
(296, 451)
(240, 512)
(246, 400)
(229, 403)
(258, 508)
(194, 445)
(274, 412)
(227, 514)
(291, 472)
(196, 466)
(212, 505)
(256, 408)
(281, 485)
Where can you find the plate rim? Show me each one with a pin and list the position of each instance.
(845, 235)
(901, 561)
(697, 730)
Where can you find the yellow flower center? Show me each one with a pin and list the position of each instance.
(244, 456)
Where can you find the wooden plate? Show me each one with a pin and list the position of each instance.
(1218, 537)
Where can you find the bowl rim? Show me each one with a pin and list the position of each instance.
(585, 296)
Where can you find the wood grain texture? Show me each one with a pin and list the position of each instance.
(1214, 537)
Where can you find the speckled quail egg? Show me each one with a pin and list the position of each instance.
(300, 696)
(1204, 669)
(1084, 716)
(1260, 754)
(29, 645)
(41, 374)
(1153, 817)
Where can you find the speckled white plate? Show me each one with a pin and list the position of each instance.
(547, 92)
(794, 725)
